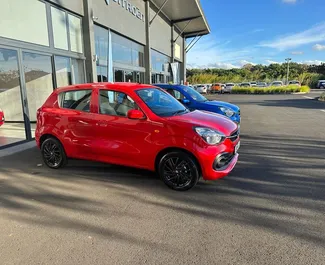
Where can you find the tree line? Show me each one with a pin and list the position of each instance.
(306, 74)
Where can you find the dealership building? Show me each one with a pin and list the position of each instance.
(54, 43)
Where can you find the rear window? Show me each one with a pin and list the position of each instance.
(76, 99)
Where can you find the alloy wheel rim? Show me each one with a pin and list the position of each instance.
(52, 154)
(178, 172)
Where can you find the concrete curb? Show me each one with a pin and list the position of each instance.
(15, 149)
(299, 93)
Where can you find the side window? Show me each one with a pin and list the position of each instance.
(115, 103)
(176, 94)
(76, 99)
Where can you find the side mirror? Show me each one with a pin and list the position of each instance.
(134, 114)
(185, 101)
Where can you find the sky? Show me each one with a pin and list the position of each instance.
(260, 32)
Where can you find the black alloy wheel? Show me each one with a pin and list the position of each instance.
(53, 153)
(179, 171)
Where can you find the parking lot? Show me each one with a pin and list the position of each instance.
(270, 210)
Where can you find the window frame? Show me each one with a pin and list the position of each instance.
(61, 97)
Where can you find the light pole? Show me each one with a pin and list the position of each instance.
(288, 60)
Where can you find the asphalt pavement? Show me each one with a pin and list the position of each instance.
(270, 210)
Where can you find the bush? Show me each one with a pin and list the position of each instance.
(270, 90)
(322, 97)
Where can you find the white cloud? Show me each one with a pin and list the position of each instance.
(318, 47)
(312, 35)
(210, 52)
(297, 53)
(272, 62)
(289, 1)
(312, 62)
(213, 65)
(244, 62)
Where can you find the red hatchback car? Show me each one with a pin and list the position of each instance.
(138, 126)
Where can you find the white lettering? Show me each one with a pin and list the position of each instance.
(129, 7)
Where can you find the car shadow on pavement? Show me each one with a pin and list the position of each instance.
(278, 185)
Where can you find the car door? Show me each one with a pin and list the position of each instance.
(78, 134)
(119, 139)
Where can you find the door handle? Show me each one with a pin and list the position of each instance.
(101, 124)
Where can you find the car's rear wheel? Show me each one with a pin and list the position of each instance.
(179, 171)
(53, 153)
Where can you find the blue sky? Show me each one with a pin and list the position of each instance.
(260, 32)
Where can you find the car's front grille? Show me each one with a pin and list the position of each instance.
(234, 136)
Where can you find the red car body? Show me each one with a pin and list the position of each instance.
(2, 117)
(134, 142)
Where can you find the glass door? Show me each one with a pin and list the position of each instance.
(38, 82)
(12, 125)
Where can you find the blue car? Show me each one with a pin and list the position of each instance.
(195, 101)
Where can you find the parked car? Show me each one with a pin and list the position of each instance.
(195, 101)
(245, 84)
(261, 84)
(277, 83)
(202, 89)
(294, 83)
(253, 84)
(228, 87)
(320, 84)
(216, 88)
(2, 117)
(149, 129)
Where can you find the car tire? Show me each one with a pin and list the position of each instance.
(179, 171)
(321, 87)
(53, 153)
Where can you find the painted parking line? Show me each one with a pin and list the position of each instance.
(308, 97)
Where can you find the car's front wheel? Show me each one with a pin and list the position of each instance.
(179, 171)
(53, 153)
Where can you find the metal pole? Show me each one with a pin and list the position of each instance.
(189, 48)
(191, 42)
(288, 60)
(158, 12)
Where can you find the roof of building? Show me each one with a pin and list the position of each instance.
(186, 14)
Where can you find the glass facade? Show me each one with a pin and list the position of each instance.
(160, 68)
(128, 76)
(24, 20)
(127, 59)
(10, 98)
(101, 46)
(126, 51)
(60, 31)
(29, 75)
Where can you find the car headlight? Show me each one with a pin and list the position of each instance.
(227, 111)
(209, 135)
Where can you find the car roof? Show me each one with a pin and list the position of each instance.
(120, 86)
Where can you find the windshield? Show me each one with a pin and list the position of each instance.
(230, 84)
(161, 103)
(194, 94)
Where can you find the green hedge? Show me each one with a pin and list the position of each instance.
(270, 90)
(322, 97)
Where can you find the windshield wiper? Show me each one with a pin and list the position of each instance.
(179, 112)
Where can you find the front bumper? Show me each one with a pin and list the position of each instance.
(209, 156)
